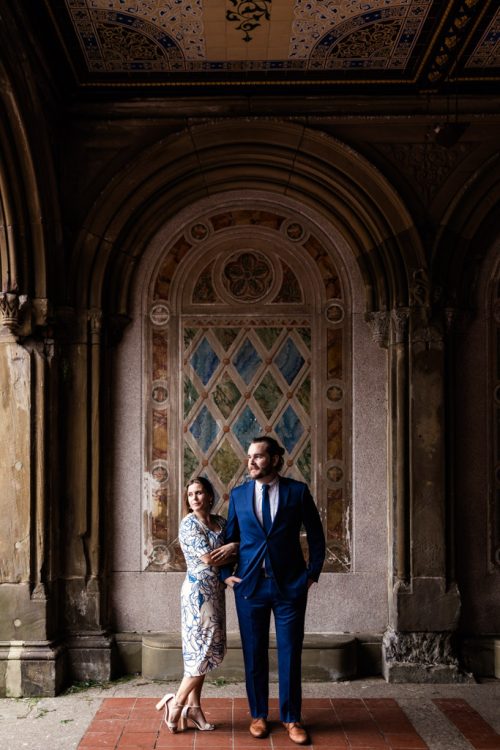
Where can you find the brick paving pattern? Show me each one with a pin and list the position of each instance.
(336, 723)
(473, 727)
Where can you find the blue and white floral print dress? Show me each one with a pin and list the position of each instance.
(203, 603)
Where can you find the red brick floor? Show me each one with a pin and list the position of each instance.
(473, 727)
(350, 723)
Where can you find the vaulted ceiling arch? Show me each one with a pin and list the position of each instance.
(280, 158)
(468, 231)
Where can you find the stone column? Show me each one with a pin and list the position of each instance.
(424, 603)
(31, 659)
(90, 648)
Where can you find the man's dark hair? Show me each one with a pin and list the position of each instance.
(273, 448)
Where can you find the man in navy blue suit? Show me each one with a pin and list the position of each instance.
(265, 517)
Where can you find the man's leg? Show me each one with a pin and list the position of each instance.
(289, 619)
(254, 616)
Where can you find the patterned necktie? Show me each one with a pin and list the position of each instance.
(266, 509)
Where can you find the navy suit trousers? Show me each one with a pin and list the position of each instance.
(254, 615)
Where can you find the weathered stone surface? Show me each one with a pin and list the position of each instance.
(31, 669)
(91, 657)
(21, 616)
(420, 657)
(425, 605)
(15, 464)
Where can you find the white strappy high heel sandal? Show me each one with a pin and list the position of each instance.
(165, 701)
(203, 726)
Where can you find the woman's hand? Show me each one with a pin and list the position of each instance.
(225, 555)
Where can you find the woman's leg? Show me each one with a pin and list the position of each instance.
(189, 691)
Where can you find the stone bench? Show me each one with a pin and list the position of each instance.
(326, 657)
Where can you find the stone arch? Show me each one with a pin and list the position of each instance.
(281, 158)
(230, 355)
(469, 229)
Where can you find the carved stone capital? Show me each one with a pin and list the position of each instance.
(379, 323)
(420, 289)
(400, 317)
(12, 308)
(95, 323)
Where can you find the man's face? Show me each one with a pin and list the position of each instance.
(260, 464)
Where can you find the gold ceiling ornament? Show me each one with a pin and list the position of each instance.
(249, 15)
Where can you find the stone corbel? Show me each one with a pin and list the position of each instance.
(13, 307)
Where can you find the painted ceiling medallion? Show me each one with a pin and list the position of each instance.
(249, 15)
(247, 276)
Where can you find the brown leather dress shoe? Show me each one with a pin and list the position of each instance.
(258, 728)
(296, 732)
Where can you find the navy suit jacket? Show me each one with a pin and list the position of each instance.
(296, 508)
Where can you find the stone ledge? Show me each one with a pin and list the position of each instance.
(326, 657)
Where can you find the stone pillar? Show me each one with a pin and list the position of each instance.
(424, 603)
(31, 659)
(90, 648)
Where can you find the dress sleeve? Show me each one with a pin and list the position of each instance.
(193, 540)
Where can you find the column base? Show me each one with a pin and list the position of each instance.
(421, 657)
(32, 669)
(91, 657)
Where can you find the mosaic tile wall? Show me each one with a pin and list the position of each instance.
(222, 370)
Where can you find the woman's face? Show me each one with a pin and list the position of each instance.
(198, 498)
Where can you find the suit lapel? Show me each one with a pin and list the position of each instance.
(250, 502)
(284, 489)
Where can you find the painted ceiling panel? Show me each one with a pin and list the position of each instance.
(342, 41)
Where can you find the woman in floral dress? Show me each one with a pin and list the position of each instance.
(203, 615)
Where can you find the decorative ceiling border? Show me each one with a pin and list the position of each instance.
(459, 22)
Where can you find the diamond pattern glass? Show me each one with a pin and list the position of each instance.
(247, 361)
(190, 463)
(246, 427)
(191, 396)
(268, 395)
(204, 361)
(289, 429)
(289, 361)
(226, 395)
(304, 463)
(226, 463)
(204, 429)
(268, 336)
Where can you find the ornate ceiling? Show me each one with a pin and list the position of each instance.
(400, 45)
